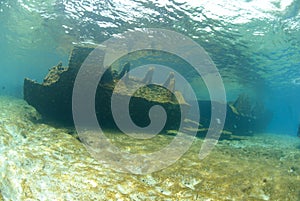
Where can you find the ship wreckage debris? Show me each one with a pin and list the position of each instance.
(53, 100)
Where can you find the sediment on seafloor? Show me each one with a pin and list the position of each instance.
(40, 162)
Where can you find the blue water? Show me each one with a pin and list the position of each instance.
(285, 106)
(254, 45)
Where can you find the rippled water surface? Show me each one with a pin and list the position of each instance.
(254, 44)
(249, 41)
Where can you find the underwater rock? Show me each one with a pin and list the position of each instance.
(53, 97)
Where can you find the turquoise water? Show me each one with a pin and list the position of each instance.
(255, 45)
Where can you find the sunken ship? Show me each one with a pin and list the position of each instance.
(53, 100)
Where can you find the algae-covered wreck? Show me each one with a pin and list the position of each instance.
(53, 99)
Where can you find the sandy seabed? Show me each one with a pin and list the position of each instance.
(41, 162)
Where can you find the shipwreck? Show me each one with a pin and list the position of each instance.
(53, 99)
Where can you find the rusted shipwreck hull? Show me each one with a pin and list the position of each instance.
(53, 98)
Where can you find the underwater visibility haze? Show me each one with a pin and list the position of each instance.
(255, 47)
